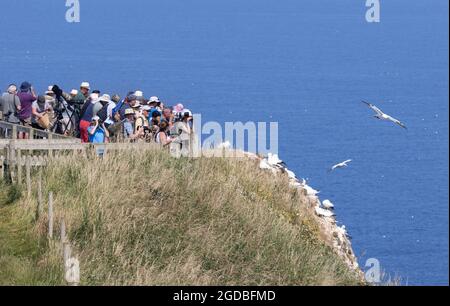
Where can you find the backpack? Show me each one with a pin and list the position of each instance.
(103, 113)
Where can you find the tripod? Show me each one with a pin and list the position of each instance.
(70, 127)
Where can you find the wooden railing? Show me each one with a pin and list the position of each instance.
(12, 131)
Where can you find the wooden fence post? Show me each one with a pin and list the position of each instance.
(50, 215)
(2, 173)
(12, 162)
(28, 175)
(40, 206)
(63, 232)
(19, 167)
(14, 132)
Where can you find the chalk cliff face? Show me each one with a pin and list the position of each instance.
(335, 236)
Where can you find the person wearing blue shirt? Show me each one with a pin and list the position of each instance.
(97, 133)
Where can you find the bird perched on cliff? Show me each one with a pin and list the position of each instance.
(309, 190)
(382, 116)
(328, 205)
(274, 160)
(340, 165)
(323, 212)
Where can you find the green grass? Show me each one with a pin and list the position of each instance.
(22, 260)
(143, 218)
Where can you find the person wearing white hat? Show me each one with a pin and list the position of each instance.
(128, 124)
(98, 133)
(90, 109)
(154, 100)
(49, 91)
(10, 104)
(82, 95)
(141, 125)
(73, 93)
(106, 112)
(85, 85)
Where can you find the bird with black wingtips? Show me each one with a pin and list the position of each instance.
(382, 116)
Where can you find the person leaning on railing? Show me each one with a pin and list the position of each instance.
(40, 110)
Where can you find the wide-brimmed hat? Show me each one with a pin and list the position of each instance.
(129, 111)
(136, 105)
(105, 98)
(49, 90)
(74, 92)
(154, 99)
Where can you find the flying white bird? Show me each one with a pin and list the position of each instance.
(327, 205)
(340, 165)
(382, 116)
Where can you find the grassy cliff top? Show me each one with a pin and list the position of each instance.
(144, 218)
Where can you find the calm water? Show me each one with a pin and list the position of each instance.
(306, 64)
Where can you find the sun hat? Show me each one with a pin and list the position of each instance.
(187, 111)
(129, 111)
(136, 105)
(154, 99)
(138, 93)
(105, 98)
(49, 90)
(178, 108)
(146, 108)
(74, 92)
(85, 85)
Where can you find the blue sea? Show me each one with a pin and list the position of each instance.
(305, 64)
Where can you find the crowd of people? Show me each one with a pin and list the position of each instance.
(96, 117)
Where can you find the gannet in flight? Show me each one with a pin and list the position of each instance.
(340, 165)
(382, 116)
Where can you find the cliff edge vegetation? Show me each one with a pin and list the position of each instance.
(145, 218)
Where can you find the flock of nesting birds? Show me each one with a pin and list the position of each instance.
(324, 209)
